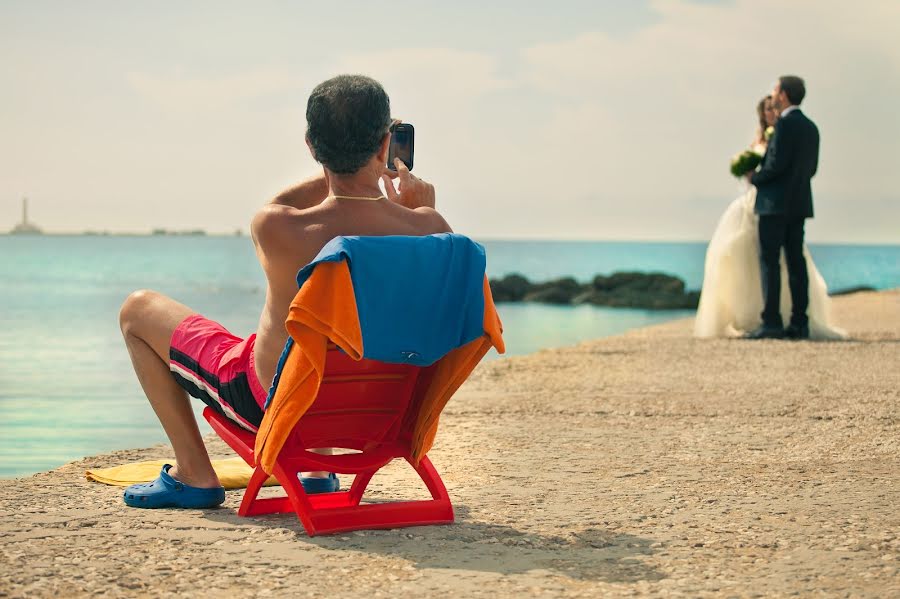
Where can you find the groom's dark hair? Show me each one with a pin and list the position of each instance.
(793, 87)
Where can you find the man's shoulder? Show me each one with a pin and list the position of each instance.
(802, 123)
(272, 218)
(791, 118)
(400, 220)
(432, 221)
(809, 122)
(286, 239)
(276, 225)
(794, 122)
(798, 116)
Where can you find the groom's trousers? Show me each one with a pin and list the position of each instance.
(776, 232)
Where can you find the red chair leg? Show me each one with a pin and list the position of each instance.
(359, 486)
(290, 482)
(431, 478)
(256, 482)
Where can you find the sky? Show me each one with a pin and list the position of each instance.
(600, 119)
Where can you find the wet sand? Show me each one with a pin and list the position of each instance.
(650, 464)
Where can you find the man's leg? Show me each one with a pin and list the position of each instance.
(771, 237)
(798, 278)
(148, 320)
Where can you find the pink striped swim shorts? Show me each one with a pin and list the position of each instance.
(217, 368)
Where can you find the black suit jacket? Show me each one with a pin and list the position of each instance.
(792, 157)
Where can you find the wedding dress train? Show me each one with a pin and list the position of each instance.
(731, 299)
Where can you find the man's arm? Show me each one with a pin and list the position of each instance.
(305, 194)
(778, 156)
(816, 142)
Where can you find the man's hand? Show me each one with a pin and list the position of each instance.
(414, 192)
(749, 177)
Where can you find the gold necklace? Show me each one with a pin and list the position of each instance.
(357, 198)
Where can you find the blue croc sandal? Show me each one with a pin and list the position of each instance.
(165, 491)
(313, 485)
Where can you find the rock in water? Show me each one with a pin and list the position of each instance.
(653, 291)
(511, 288)
(558, 291)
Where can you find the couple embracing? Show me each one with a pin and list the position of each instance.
(759, 240)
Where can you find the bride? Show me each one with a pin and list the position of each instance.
(731, 300)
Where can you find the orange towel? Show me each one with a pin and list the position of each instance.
(451, 372)
(325, 308)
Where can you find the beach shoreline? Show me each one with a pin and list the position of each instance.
(649, 463)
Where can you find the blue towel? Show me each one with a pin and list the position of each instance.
(418, 298)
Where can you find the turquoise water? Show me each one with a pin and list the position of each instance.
(66, 385)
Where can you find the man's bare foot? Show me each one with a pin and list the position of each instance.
(200, 482)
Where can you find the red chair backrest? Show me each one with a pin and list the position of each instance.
(360, 403)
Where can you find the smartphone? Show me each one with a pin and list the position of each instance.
(403, 137)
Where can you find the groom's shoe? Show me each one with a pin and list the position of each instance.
(797, 331)
(766, 332)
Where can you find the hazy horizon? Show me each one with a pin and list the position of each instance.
(586, 121)
(478, 238)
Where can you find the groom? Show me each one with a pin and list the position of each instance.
(783, 203)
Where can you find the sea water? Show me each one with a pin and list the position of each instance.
(67, 388)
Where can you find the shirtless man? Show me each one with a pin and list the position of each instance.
(175, 351)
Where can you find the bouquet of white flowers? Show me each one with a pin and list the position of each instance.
(745, 162)
(749, 160)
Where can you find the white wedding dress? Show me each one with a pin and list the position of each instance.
(731, 300)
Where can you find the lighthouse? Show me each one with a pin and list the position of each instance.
(25, 227)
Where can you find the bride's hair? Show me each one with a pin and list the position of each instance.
(761, 113)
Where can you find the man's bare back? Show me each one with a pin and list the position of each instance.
(288, 235)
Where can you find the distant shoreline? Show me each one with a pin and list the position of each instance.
(188, 233)
(202, 233)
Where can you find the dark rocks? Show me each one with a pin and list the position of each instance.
(511, 288)
(558, 291)
(653, 291)
(849, 290)
(639, 281)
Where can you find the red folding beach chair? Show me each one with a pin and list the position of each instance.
(365, 406)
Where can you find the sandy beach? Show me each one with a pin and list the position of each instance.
(649, 464)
